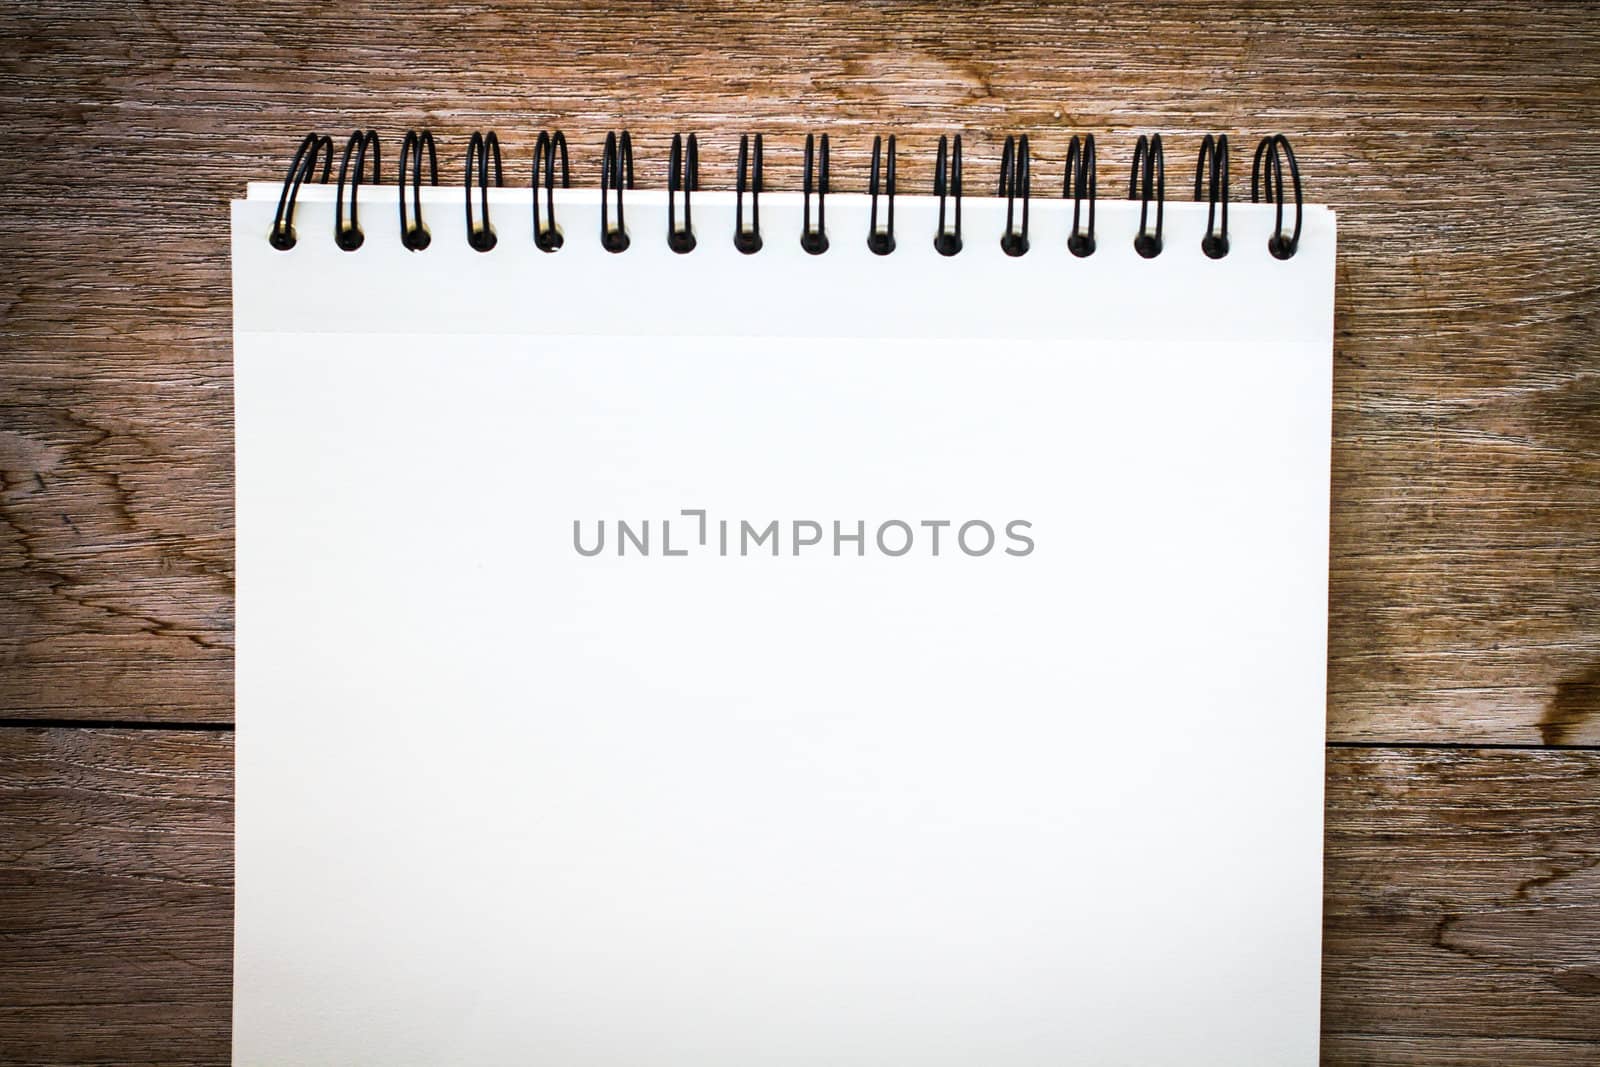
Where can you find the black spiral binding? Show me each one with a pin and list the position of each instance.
(1213, 150)
(1079, 184)
(414, 235)
(1274, 158)
(616, 171)
(282, 236)
(881, 242)
(480, 235)
(1149, 180)
(745, 240)
(815, 241)
(1267, 152)
(349, 237)
(1014, 183)
(546, 234)
(947, 182)
(683, 174)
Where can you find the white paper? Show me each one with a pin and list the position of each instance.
(502, 802)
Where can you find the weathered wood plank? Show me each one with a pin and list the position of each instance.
(116, 896)
(1455, 142)
(1466, 518)
(1462, 907)
(1462, 897)
(1376, 1050)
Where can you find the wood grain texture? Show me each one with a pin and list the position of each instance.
(1462, 907)
(1455, 141)
(116, 896)
(1463, 902)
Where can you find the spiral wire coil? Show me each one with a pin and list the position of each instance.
(1274, 179)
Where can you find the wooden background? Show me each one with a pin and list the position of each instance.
(1457, 142)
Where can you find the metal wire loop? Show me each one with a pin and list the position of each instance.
(282, 235)
(413, 234)
(881, 242)
(480, 234)
(546, 234)
(683, 175)
(1148, 182)
(947, 185)
(348, 236)
(745, 240)
(616, 173)
(1211, 175)
(1015, 183)
(815, 241)
(1079, 184)
(1266, 174)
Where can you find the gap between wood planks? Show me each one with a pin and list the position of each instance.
(228, 728)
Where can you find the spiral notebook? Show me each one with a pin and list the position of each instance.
(702, 627)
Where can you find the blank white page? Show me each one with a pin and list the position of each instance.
(725, 661)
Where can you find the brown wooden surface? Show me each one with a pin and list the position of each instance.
(1456, 141)
(1458, 887)
(116, 876)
